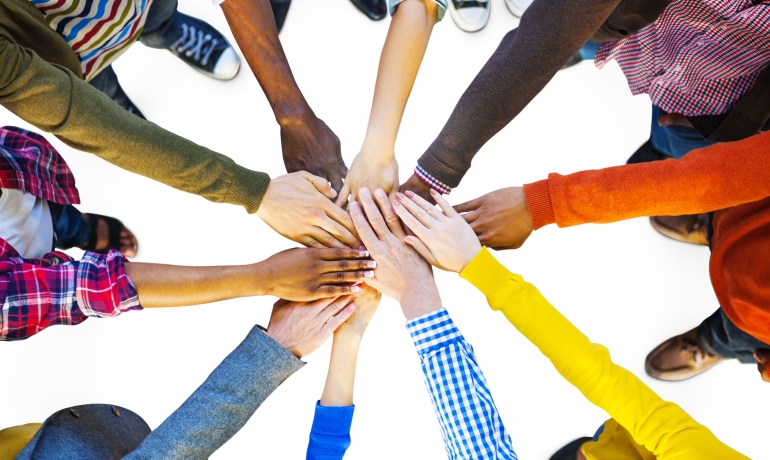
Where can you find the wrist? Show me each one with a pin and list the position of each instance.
(260, 283)
(293, 115)
(421, 301)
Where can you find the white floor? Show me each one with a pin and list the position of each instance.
(624, 285)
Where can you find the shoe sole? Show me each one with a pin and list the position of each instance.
(464, 25)
(675, 235)
(670, 376)
(515, 11)
(212, 75)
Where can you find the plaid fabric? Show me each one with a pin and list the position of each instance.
(699, 57)
(29, 163)
(38, 293)
(470, 424)
(434, 183)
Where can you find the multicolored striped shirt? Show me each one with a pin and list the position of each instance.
(99, 31)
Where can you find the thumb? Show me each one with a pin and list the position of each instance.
(343, 196)
(322, 185)
(421, 249)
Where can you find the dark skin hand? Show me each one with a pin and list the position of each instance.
(307, 143)
(500, 219)
(762, 356)
(419, 187)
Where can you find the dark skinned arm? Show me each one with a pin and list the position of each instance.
(307, 143)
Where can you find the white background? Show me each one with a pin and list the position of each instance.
(624, 285)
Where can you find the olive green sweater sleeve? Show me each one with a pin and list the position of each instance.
(662, 427)
(54, 100)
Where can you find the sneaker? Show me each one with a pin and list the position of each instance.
(470, 15)
(202, 47)
(518, 7)
(280, 10)
(680, 358)
(107, 82)
(570, 451)
(373, 9)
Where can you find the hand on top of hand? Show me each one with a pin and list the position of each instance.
(308, 274)
(500, 219)
(442, 236)
(401, 272)
(373, 170)
(309, 145)
(299, 207)
(303, 327)
(366, 306)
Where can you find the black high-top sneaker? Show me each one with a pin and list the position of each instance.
(280, 10)
(107, 82)
(470, 15)
(373, 9)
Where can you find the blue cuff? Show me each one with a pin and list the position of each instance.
(332, 420)
(433, 331)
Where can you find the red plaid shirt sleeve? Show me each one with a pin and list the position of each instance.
(38, 293)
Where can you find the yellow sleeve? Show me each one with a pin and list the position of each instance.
(662, 427)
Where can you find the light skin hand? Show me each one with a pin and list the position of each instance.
(375, 166)
(298, 206)
(303, 327)
(763, 360)
(441, 235)
(501, 219)
(401, 273)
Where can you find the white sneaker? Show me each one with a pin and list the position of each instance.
(470, 15)
(517, 7)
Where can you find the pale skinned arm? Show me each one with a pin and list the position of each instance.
(375, 166)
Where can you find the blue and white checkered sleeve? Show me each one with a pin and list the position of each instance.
(470, 424)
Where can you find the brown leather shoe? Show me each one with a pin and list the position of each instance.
(680, 358)
(692, 228)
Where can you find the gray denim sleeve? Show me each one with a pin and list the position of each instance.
(442, 6)
(223, 403)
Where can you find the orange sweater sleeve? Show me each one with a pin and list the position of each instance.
(705, 180)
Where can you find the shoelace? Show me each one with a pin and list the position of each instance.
(191, 44)
(696, 355)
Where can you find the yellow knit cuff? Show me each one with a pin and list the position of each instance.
(488, 275)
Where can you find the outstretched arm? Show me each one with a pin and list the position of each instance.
(307, 143)
(375, 166)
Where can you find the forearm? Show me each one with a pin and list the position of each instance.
(253, 27)
(161, 285)
(715, 177)
(400, 61)
(550, 32)
(340, 379)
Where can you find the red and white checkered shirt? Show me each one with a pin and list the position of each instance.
(699, 57)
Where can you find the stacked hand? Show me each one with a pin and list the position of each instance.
(309, 145)
(373, 170)
(500, 219)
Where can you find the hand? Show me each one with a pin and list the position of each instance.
(310, 274)
(303, 327)
(443, 238)
(500, 219)
(309, 145)
(417, 186)
(763, 359)
(373, 170)
(401, 273)
(298, 206)
(366, 306)
(674, 119)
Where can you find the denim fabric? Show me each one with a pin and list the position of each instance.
(588, 51)
(675, 141)
(223, 403)
(159, 19)
(721, 336)
(72, 229)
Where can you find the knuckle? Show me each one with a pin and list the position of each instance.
(338, 253)
(339, 276)
(343, 265)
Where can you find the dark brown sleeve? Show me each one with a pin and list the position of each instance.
(550, 32)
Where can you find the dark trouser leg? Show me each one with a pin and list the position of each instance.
(107, 82)
(72, 229)
(159, 19)
(720, 336)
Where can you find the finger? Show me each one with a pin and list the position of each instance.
(468, 206)
(348, 265)
(346, 234)
(409, 220)
(421, 249)
(340, 254)
(373, 214)
(391, 218)
(321, 184)
(345, 277)
(337, 320)
(343, 196)
(335, 178)
(311, 242)
(362, 225)
(424, 204)
(443, 204)
(333, 290)
(325, 238)
(339, 232)
(333, 308)
(419, 213)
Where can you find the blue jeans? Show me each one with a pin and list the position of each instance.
(722, 337)
(72, 229)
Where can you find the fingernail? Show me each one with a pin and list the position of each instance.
(369, 274)
(363, 253)
(380, 192)
(409, 193)
(362, 247)
(371, 264)
(433, 191)
(353, 205)
(355, 289)
(396, 203)
(364, 191)
(400, 195)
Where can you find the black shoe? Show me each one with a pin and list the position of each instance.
(470, 15)
(575, 59)
(107, 82)
(280, 10)
(569, 452)
(647, 153)
(198, 44)
(373, 9)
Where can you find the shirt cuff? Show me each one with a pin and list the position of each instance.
(490, 277)
(434, 183)
(442, 6)
(432, 331)
(332, 420)
(103, 287)
(538, 196)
